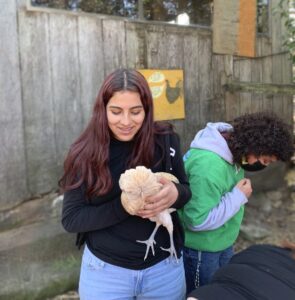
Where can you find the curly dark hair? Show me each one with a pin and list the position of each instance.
(262, 133)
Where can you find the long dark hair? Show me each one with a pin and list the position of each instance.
(88, 157)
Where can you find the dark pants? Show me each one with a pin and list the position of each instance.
(200, 266)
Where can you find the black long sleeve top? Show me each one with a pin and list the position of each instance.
(112, 233)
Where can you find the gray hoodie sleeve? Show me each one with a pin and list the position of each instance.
(229, 205)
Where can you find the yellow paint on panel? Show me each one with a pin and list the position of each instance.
(167, 90)
(247, 28)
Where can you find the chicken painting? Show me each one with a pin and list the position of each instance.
(173, 93)
(137, 184)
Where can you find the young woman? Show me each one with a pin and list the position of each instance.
(215, 167)
(122, 134)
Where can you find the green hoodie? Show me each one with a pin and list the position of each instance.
(210, 177)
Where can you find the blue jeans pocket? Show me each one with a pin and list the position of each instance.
(91, 262)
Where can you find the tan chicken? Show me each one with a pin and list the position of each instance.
(137, 184)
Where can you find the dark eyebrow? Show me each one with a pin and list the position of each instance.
(138, 106)
(118, 107)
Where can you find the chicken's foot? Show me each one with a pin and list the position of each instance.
(171, 250)
(150, 242)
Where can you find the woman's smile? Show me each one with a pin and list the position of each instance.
(125, 115)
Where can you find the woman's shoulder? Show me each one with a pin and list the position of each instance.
(164, 130)
(168, 139)
(162, 127)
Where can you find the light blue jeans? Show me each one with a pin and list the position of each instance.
(102, 281)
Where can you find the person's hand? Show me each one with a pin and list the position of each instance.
(245, 187)
(160, 201)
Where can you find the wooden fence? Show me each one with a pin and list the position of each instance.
(53, 62)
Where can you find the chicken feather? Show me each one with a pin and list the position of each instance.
(136, 185)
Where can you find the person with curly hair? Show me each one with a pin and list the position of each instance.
(215, 166)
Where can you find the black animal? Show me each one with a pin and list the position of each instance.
(173, 93)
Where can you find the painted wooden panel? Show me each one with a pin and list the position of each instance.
(165, 49)
(167, 91)
(234, 27)
(247, 28)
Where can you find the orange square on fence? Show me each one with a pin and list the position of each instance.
(167, 90)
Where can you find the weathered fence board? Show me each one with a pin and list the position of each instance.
(256, 76)
(277, 31)
(232, 100)
(136, 54)
(114, 47)
(218, 74)
(245, 75)
(204, 78)
(277, 78)
(156, 51)
(191, 87)
(66, 89)
(263, 47)
(218, 65)
(38, 109)
(13, 177)
(267, 78)
(287, 78)
(91, 70)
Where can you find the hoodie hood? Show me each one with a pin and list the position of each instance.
(210, 139)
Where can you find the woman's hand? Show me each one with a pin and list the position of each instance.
(165, 198)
